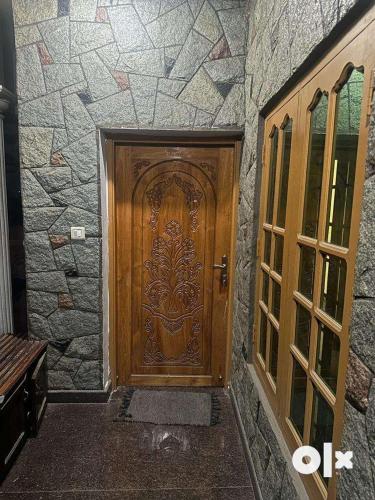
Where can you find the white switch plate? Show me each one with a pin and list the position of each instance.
(77, 233)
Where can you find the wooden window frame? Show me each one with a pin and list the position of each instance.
(354, 50)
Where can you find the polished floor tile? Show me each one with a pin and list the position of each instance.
(81, 453)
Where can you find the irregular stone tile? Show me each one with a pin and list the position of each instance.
(42, 303)
(121, 79)
(45, 111)
(234, 25)
(68, 324)
(56, 37)
(52, 178)
(193, 53)
(288, 490)
(76, 217)
(78, 121)
(220, 51)
(65, 301)
(208, 24)
(58, 76)
(60, 139)
(60, 380)
(171, 28)
(170, 112)
(85, 292)
(107, 3)
(134, 37)
(25, 12)
(148, 10)
(81, 156)
(202, 93)
(44, 55)
(38, 251)
(101, 82)
(35, 146)
(101, 15)
(63, 7)
(170, 87)
(85, 97)
(52, 281)
(64, 258)
(232, 111)
(203, 119)
(89, 375)
(26, 35)
(30, 82)
(195, 6)
(224, 88)
(357, 383)
(143, 90)
(33, 195)
(39, 219)
(84, 196)
(85, 348)
(84, 10)
(39, 327)
(114, 110)
(109, 55)
(231, 69)
(58, 240)
(87, 255)
(89, 36)
(53, 355)
(149, 62)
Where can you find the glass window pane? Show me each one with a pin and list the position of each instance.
(333, 286)
(327, 356)
(298, 397)
(303, 329)
(306, 271)
(265, 288)
(318, 124)
(321, 425)
(274, 347)
(272, 176)
(278, 259)
(284, 174)
(276, 294)
(263, 334)
(267, 247)
(340, 201)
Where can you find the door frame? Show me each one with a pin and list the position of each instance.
(202, 137)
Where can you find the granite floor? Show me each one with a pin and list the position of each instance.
(81, 453)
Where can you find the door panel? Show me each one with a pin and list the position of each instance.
(174, 209)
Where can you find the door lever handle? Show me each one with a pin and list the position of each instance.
(224, 270)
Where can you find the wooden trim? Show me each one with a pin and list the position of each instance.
(214, 138)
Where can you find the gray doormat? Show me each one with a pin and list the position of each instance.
(169, 407)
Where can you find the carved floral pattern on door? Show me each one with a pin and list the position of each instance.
(173, 294)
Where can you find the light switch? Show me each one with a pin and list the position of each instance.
(77, 233)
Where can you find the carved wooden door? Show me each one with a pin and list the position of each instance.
(174, 216)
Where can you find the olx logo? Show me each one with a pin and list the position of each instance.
(307, 460)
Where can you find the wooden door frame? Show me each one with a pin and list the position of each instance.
(111, 138)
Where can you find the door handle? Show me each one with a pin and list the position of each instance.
(224, 270)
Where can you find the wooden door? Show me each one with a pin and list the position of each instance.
(173, 223)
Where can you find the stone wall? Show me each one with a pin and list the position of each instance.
(282, 35)
(86, 64)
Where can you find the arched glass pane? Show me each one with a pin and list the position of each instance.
(341, 188)
(272, 176)
(313, 188)
(284, 173)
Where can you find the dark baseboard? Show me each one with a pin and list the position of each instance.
(245, 445)
(78, 396)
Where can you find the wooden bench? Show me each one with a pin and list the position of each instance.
(23, 393)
